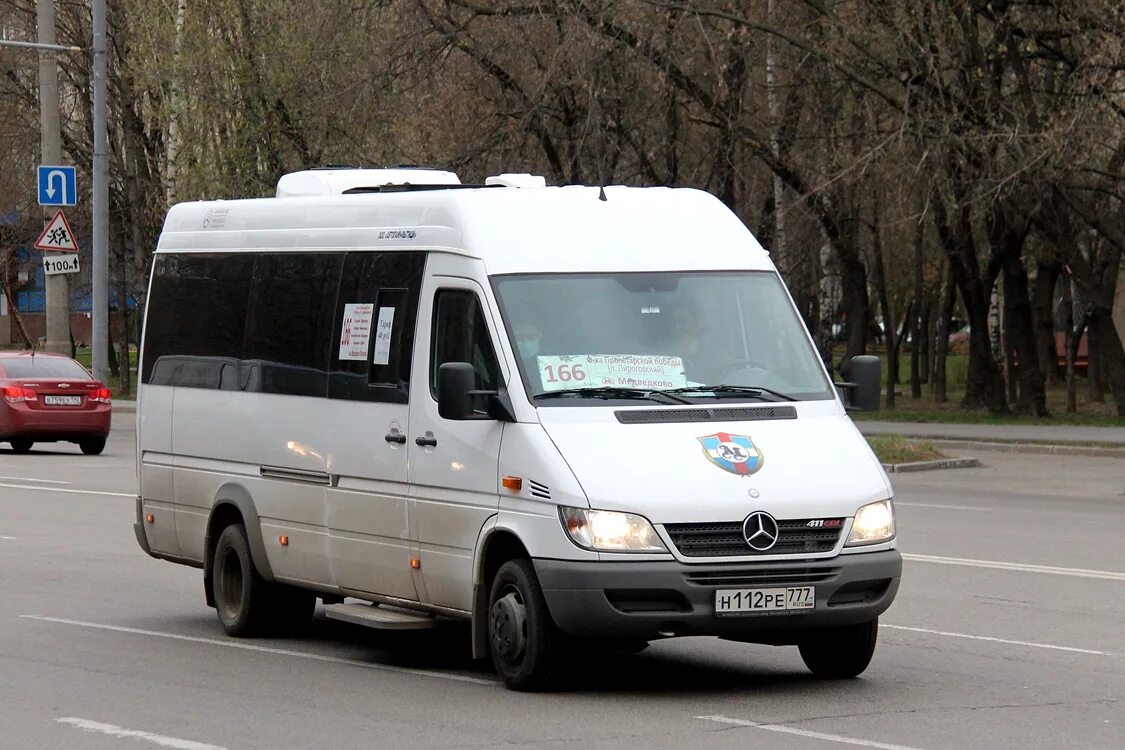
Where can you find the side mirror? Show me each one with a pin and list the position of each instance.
(456, 393)
(867, 374)
(455, 384)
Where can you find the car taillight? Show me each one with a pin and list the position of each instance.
(100, 396)
(14, 394)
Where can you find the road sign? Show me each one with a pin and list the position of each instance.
(57, 236)
(56, 264)
(57, 186)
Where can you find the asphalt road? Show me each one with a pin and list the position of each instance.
(1008, 632)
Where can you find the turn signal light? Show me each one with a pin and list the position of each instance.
(101, 395)
(283, 540)
(14, 394)
(515, 484)
(150, 518)
(415, 563)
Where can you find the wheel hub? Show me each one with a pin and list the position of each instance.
(509, 627)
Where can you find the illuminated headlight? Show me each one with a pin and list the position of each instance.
(873, 523)
(608, 531)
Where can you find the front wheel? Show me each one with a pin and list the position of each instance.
(521, 635)
(842, 652)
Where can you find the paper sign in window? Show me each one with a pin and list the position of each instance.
(355, 332)
(559, 372)
(384, 326)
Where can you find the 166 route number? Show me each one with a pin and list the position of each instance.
(564, 373)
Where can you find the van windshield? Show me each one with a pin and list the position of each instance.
(659, 331)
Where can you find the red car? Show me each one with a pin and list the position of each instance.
(48, 398)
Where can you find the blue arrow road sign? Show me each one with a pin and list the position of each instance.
(57, 186)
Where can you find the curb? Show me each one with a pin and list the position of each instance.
(124, 407)
(944, 463)
(1053, 449)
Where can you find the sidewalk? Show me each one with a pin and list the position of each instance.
(1003, 433)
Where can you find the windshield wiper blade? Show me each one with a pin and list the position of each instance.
(755, 391)
(664, 397)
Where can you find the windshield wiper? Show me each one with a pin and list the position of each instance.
(664, 397)
(756, 391)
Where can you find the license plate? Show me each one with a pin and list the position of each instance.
(62, 400)
(730, 601)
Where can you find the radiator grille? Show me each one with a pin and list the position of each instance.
(724, 539)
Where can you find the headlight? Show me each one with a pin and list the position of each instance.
(874, 522)
(608, 531)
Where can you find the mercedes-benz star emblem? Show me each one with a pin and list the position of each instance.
(760, 531)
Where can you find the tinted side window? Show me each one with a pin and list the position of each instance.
(460, 334)
(376, 312)
(196, 317)
(289, 323)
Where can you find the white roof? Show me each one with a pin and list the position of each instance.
(512, 230)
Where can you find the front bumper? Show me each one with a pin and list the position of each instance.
(649, 600)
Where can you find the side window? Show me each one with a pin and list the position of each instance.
(460, 334)
(376, 313)
(289, 323)
(196, 318)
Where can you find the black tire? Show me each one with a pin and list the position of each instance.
(522, 637)
(21, 445)
(92, 446)
(247, 604)
(840, 653)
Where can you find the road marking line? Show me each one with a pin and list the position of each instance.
(806, 733)
(115, 731)
(1108, 575)
(8, 538)
(67, 492)
(936, 505)
(266, 650)
(35, 479)
(999, 640)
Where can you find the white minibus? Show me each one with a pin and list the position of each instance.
(564, 415)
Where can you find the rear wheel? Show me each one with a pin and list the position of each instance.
(842, 652)
(248, 604)
(21, 445)
(92, 446)
(521, 635)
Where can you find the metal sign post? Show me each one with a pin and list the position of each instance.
(101, 206)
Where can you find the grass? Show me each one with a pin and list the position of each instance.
(926, 409)
(896, 449)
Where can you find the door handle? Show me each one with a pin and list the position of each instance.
(395, 437)
(429, 441)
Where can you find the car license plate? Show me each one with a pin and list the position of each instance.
(62, 400)
(731, 601)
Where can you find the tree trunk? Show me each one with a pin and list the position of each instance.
(925, 346)
(1020, 336)
(1071, 347)
(1103, 335)
(941, 345)
(12, 309)
(915, 318)
(1043, 301)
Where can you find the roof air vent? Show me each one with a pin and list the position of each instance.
(336, 181)
(517, 180)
